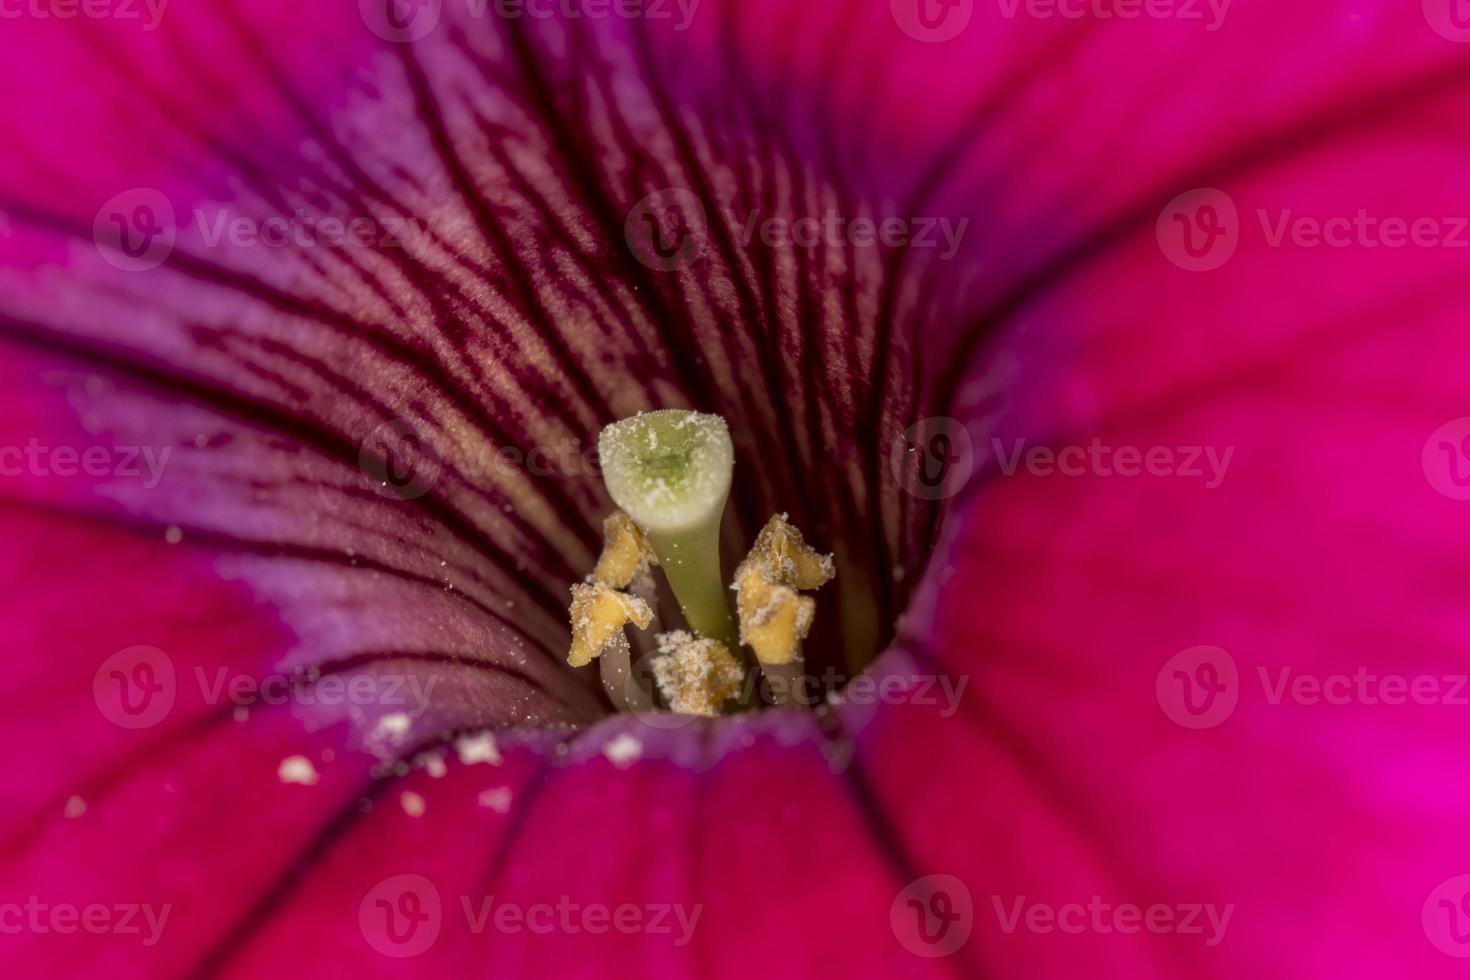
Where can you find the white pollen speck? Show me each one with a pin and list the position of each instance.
(496, 799)
(478, 748)
(297, 769)
(396, 724)
(242, 713)
(174, 534)
(623, 751)
(413, 803)
(435, 767)
(75, 807)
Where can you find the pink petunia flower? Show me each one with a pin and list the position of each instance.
(1115, 350)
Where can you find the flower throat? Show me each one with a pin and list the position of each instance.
(670, 473)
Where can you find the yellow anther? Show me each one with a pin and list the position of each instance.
(774, 619)
(599, 614)
(787, 557)
(697, 675)
(625, 552)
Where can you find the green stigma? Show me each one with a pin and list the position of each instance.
(670, 471)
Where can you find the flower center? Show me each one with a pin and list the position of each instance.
(670, 472)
